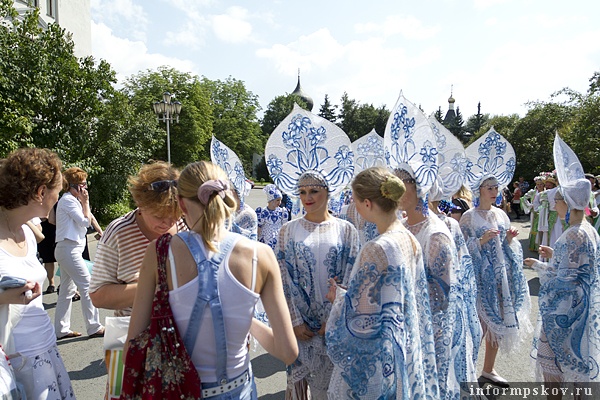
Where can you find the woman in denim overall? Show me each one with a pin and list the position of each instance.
(215, 278)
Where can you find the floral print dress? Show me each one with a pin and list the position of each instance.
(503, 302)
(309, 254)
(567, 340)
(269, 223)
(450, 327)
(373, 333)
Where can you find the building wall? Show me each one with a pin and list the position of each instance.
(72, 15)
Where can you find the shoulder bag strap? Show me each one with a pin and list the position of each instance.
(162, 290)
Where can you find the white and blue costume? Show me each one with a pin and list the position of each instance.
(366, 230)
(503, 302)
(412, 150)
(567, 339)
(244, 220)
(373, 335)
(271, 221)
(453, 163)
(310, 253)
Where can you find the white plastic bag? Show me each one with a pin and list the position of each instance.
(115, 335)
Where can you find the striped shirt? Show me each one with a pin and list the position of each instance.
(120, 253)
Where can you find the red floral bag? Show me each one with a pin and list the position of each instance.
(157, 364)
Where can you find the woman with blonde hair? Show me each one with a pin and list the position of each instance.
(247, 271)
(73, 217)
(383, 289)
(122, 247)
(462, 200)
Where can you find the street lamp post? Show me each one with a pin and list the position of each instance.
(168, 112)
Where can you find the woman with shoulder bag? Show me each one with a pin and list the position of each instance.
(240, 272)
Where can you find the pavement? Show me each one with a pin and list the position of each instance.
(84, 356)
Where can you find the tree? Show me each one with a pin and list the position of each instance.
(49, 97)
(234, 118)
(583, 134)
(475, 122)
(438, 115)
(327, 110)
(276, 111)
(456, 125)
(191, 136)
(359, 119)
(533, 135)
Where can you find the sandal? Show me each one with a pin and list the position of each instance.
(50, 289)
(98, 334)
(495, 379)
(76, 296)
(72, 334)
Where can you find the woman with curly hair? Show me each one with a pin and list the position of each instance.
(122, 247)
(30, 181)
(73, 217)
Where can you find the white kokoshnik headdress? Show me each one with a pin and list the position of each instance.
(574, 186)
(368, 152)
(490, 156)
(306, 145)
(229, 161)
(410, 145)
(452, 163)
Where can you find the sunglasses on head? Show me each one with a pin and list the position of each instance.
(162, 186)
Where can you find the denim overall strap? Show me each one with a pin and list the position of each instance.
(208, 295)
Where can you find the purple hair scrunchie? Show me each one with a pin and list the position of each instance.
(210, 187)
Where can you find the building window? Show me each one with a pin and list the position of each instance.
(30, 3)
(51, 8)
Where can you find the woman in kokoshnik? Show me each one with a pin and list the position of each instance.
(503, 302)
(566, 344)
(311, 158)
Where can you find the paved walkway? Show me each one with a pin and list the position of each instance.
(84, 357)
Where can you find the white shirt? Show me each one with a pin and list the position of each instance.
(70, 222)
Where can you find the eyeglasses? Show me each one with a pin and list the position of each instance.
(162, 186)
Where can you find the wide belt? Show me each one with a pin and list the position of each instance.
(227, 387)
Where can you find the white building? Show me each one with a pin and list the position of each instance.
(72, 15)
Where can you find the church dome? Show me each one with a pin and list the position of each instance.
(300, 93)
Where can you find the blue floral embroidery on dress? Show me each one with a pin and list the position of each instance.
(377, 352)
(569, 305)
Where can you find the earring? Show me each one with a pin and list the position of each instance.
(422, 206)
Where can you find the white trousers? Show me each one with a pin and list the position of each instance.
(74, 275)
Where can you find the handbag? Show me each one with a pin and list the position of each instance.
(158, 365)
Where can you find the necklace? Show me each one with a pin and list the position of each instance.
(14, 236)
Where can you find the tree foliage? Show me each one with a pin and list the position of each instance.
(359, 119)
(533, 135)
(276, 111)
(191, 135)
(328, 110)
(234, 118)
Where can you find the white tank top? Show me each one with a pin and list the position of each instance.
(238, 309)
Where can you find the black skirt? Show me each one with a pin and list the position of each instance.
(46, 246)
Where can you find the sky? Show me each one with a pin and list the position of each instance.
(500, 53)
